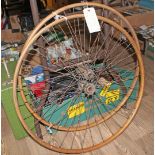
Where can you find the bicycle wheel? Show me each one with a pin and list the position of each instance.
(94, 69)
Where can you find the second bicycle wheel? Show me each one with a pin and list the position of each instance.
(86, 82)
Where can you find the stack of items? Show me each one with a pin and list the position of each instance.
(9, 57)
(10, 52)
(63, 51)
(36, 81)
(146, 31)
(146, 34)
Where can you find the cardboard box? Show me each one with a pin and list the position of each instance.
(141, 16)
(15, 26)
(10, 37)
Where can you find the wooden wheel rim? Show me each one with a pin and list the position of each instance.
(75, 151)
(69, 7)
(54, 125)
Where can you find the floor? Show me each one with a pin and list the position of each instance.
(136, 140)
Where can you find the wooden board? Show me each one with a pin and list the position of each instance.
(9, 37)
(138, 20)
(15, 26)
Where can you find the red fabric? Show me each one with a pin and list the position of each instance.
(3, 23)
(37, 88)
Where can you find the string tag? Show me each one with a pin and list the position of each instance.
(91, 20)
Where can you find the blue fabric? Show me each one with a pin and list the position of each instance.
(147, 4)
(37, 70)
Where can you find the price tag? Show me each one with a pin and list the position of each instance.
(91, 20)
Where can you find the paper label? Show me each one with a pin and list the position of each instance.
(76, 110)
(111, 96)
(91, 20)
(105, 90)
(12, 59)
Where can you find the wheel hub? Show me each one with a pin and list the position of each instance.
(89, 89)
(86, 85)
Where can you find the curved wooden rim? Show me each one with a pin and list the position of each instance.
(79, 5)
(75, 151)
(58, 12)
(111, 113)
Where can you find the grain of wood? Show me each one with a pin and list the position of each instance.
(3, 148)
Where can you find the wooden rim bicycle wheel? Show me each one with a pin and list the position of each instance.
(62, 10)
(83, 126)
(120, 130)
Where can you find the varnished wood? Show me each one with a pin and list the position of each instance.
(111, 138)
